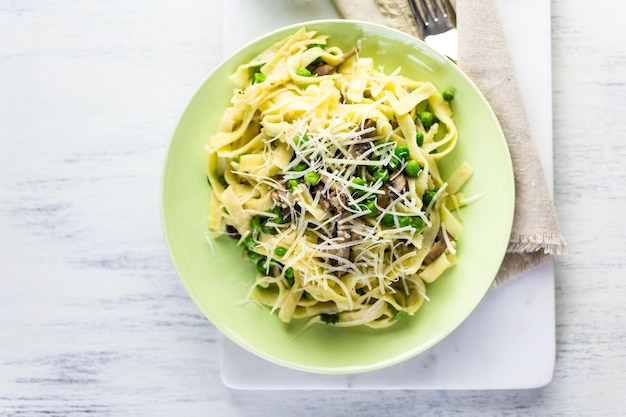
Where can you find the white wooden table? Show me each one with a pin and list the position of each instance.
(93, 320)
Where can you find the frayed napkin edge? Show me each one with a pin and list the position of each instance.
(548, 243)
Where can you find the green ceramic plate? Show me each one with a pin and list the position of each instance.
(219, 281)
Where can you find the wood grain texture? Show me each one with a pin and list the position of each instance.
(93, 320)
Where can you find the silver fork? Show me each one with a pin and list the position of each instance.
(436, 22)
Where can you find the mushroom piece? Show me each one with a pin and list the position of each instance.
(343, 235)
(280, 197)
(358, 149)
(399, 183)
(232, 232)
(325, 69)
(368, 124)
(393, 190)
(334, 200)
(438, 248)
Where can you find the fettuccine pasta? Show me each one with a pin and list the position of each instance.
(324, 168)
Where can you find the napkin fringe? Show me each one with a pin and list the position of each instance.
(548, 243)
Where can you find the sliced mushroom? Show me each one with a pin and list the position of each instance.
(438, 248)
(338, 201)
(399, 183)
(232, 232)
(279, 197)
(343, 235)
(358, 149)
(348, 55)
(368, 124)
(333, 201)
(393, 190)
(324, 203)
(384, 200)
(324, 68)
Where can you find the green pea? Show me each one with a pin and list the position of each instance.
(292, 183)
(394, 162)
(249, 243)
(412, 168)
(289, 276)
(388, 220)
(280, 251)
(419, 138)
(300, 167)
(428, 197)
(289, 273)
(404, 221)
(260, 265)
(302, 71)
(301, 139)
(329, 318)
(255, 226)
(427, 118)
(381, 174)
(252, 71)
(253, 256)
(417, 223)
(258, 78)
(312, 178)
(448, 94)
(276, 211)
(402, 152)
(370, 208)
(358, 181)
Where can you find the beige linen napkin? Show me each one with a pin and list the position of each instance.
(484, 56)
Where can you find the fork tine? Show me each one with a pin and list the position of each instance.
(431, 10)
(436, 22)
(417, 8)
(433, 16)
(447, 11)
